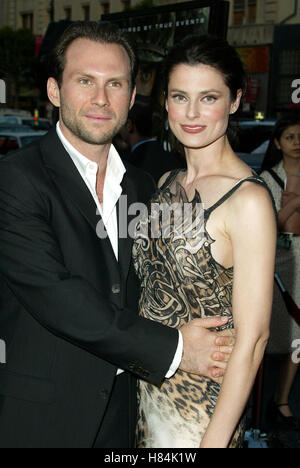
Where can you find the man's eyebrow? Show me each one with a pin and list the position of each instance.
(175, 90)
(80, 73)
(119, 78)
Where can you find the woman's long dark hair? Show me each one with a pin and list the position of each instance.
(273, 155)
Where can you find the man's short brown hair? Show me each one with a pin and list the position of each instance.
(104, 33)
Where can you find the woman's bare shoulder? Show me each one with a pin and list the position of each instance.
(252, 198)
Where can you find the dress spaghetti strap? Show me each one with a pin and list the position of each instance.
(254, 178)
(170, 179)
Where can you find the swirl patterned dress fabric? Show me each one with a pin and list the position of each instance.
(180, 281)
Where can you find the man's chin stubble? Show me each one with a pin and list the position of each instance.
(85, 136)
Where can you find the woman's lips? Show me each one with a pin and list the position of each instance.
(193, 128)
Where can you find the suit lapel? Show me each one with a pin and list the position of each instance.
(129, 196)
(71, 185)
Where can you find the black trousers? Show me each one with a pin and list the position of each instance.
(119, 424)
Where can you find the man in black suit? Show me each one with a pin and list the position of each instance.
(68, 291)
(140, 133)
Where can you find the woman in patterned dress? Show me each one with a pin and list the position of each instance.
(219, 263)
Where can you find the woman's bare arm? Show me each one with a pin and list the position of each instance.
(252, 229)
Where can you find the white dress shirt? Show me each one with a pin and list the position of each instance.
(112, 192)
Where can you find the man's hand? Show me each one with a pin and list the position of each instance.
(205, 352)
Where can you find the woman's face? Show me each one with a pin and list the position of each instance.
(199, 103)
(289, 142)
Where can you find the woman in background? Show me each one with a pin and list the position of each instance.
(281, 171)
(224, 265)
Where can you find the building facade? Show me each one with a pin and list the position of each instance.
(36, 14)
(266, 34)
(251, 21)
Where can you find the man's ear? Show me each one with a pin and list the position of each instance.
(53, 92)
(130, 126)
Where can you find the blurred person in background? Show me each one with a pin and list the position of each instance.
(281, 171)
(140, 132)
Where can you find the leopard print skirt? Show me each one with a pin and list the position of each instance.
(177, 414)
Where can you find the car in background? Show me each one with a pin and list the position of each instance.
(40, 124)
(7, 127)
(4, 111)
(248, 135)
(253, 160)
(11, 141)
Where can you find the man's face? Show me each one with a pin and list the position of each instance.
(96, 92)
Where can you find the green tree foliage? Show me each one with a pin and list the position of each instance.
(17, 60)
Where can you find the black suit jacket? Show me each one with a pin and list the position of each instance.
(68, 309)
